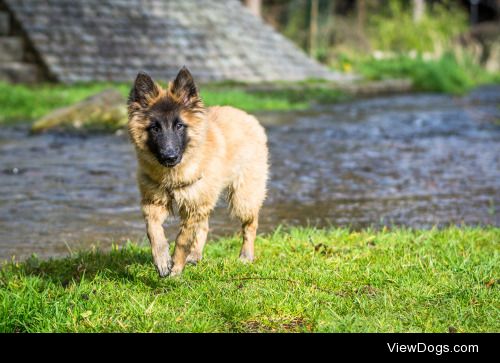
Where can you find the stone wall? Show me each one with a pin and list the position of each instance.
(18, 62)
(113, 39)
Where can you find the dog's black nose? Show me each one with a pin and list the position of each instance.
(170, 155)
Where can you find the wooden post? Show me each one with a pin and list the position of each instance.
(474, 11)
(418, 10)
(255, 6)
(313, 28)
(361, 7)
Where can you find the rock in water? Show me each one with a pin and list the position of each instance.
(105, 111)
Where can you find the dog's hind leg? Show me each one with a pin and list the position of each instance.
(249, 233)
(197, 248)
(245, 201)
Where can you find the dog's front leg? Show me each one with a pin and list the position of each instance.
(155, 215)
(189, 230)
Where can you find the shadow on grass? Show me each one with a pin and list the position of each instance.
(116, 265)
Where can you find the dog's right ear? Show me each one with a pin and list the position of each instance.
(143, 91)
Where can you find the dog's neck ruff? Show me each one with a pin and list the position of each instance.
(183, 184)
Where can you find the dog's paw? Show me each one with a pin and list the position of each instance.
(165, 268)
(246, 257)
(193, 258)
(176, 270)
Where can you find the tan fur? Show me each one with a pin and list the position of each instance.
(226, 151)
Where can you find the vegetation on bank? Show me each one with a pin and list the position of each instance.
(368, 26)
(304, 279)
(387, 39)
(29, 102)
(428, 51)
(446, 74)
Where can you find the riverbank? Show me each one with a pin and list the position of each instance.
(402, 74)
(26, 103)
(444, 75)
(320, 280)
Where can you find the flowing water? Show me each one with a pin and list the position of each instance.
(413, 160)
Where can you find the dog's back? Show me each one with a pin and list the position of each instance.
(244, 141)
(245, 159)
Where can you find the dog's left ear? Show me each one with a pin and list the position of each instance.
(143, 90)
(184, 88)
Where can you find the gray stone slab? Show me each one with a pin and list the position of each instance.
(16, 72)
(4, 23)
(11, 49)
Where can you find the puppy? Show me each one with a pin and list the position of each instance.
(188, 154)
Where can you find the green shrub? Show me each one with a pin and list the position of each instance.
(446, 74)
(396, 30)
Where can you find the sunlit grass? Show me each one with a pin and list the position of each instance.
(29, 102)
(303, 280)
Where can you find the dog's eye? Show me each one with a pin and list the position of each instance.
(155, 127)
(180, 126)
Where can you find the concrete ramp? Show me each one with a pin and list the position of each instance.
(218, 40)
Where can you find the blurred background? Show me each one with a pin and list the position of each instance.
(395, 38)
(441, 45)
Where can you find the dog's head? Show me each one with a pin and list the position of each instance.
(164, 123)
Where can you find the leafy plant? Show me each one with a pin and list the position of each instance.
(446, 74)
(395, 30)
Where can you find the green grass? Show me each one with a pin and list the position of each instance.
(303, 280)
(27, 103)
(445, 75)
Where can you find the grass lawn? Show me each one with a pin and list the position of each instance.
(304, 280)
(29, 102)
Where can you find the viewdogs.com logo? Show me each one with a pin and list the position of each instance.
(437, 349)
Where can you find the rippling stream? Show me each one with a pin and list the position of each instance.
(413, 160)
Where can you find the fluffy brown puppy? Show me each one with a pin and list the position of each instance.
(188, 155)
